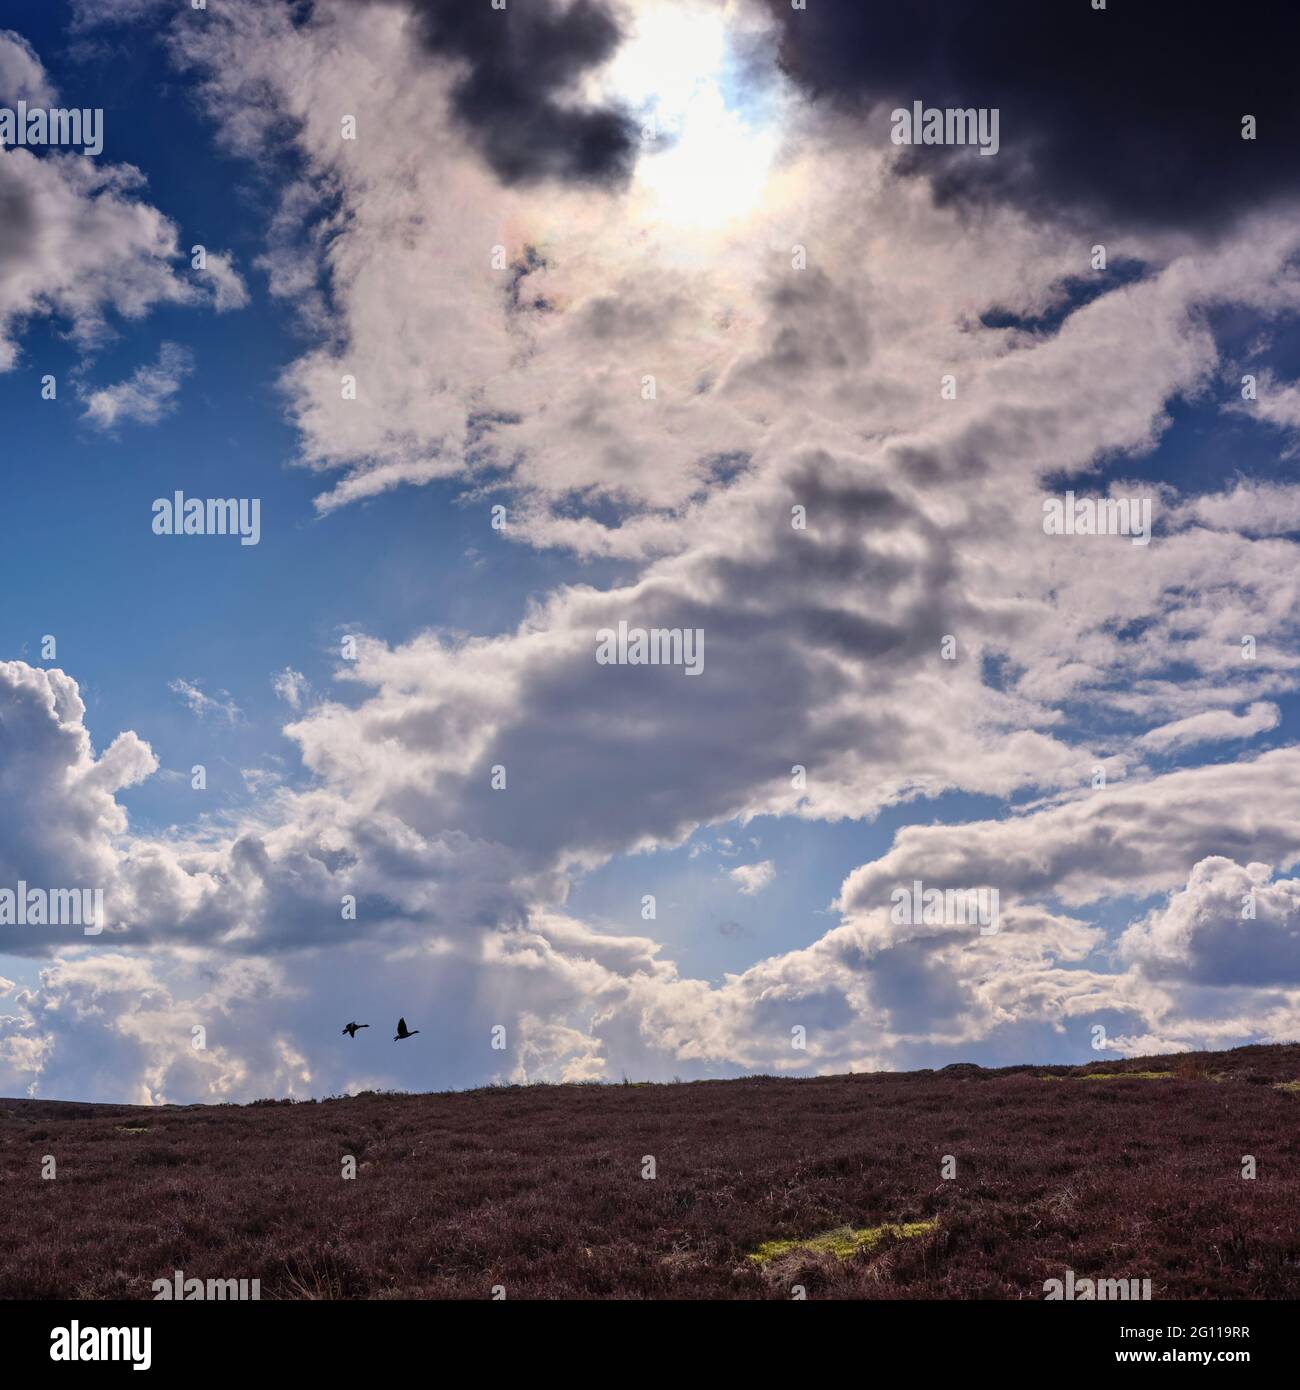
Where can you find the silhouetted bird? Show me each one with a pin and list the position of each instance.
(351, 1029)
(403, 1031)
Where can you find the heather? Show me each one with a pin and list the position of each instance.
(832, 1183)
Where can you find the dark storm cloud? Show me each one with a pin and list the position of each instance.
(1132, 113)
(515, 100)
(17, 223)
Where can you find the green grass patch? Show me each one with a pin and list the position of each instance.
(841, 1242)
(130, 1129)
(1123, 1076)
(1292, 1087)
(1111, 1076)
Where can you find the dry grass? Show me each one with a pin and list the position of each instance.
(539, 1189)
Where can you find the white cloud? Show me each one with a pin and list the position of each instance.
(146, 396)
(753, 878)
(291, 686)
(865, 991)
(777, 389)
(1213, 726)
(1253, 508)
(1229, 926)
(204, 706)
(77, 242)
(228, 288)
(1130, 838)
(22, 77)
(1277, 402)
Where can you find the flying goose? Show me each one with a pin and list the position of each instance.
(403, 1031)
(351, 1029)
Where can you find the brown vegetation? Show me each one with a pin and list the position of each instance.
(539, 1189)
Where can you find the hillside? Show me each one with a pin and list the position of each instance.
(1132, 1174)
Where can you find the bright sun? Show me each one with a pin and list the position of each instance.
(707, 154)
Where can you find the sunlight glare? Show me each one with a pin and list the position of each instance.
(704, 163)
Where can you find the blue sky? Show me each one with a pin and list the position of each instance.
(820, 384)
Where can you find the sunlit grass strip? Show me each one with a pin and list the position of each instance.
(1112, 1076)
(1123, 1076)
(841, 1242)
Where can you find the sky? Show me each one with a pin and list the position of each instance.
(520, 324)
